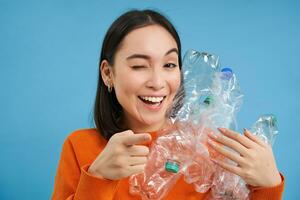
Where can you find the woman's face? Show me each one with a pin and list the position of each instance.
(146, 77)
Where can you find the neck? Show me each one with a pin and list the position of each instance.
(146, 128)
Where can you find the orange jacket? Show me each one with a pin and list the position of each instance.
(73, 181)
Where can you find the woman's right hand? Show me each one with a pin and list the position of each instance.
(122, 156)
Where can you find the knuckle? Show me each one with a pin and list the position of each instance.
(128, 132)
(238, 136)
(144, 160)
(252, 155)
(121, 134)
(146, 150)
(230, 133)
(235, 136)
(243, 161)
(118, 134)
(246, 174)
(232, 144)
(111, 140)
(220, 138)
(114, 138)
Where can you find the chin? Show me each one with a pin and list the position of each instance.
(153, 120)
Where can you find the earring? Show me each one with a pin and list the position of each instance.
(109, 88)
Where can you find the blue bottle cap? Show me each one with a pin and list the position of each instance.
(226, 69)
(227, 73)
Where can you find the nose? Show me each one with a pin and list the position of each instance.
(156, 80)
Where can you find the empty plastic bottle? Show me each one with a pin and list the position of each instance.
(266, 128)
(230, 186)
(212, 99)
(167, 159)
(199, 69)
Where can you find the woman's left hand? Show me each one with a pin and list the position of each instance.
(255, 160)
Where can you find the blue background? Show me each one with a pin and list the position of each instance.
(49, 53)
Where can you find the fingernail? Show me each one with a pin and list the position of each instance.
(222, 129)
(245, 130)
(148, 137)
(212, 135)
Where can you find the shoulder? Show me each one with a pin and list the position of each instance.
(84, 145)
(83, 133)
(88, 137)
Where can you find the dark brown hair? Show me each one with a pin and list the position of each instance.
(107, 110)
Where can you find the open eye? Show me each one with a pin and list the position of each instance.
(170, 65)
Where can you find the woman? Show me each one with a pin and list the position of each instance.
(139, 76)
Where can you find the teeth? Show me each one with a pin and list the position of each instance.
(153, 99)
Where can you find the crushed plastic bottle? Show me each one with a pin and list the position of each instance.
(227, 101)
(266, 128)
(230, 186)
(212, 98)
(167, 160)
(220, 111)
(205, 66)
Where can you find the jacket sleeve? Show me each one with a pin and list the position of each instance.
(269, 193)
(73, 182)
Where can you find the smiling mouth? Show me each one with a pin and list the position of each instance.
(152, 100)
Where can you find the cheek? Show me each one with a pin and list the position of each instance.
(126, 87)
(174, 83)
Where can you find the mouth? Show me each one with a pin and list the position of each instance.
(151, 102)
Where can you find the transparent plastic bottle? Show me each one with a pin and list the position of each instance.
(230, 186)
(212, 99)
(199, 69)
(228, 98)
(167, 159)
(217, 112)
(222, 114)
(266, 128)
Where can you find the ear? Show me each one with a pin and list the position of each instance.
(106, 73)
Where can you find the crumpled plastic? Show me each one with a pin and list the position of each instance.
(212, 98)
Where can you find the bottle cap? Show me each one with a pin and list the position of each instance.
(226, 69)
(172, 166)
(227, 73)
(208, 100)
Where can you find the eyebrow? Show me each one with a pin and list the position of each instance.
(143, 56)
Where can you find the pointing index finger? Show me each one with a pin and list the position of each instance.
(139, 138)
